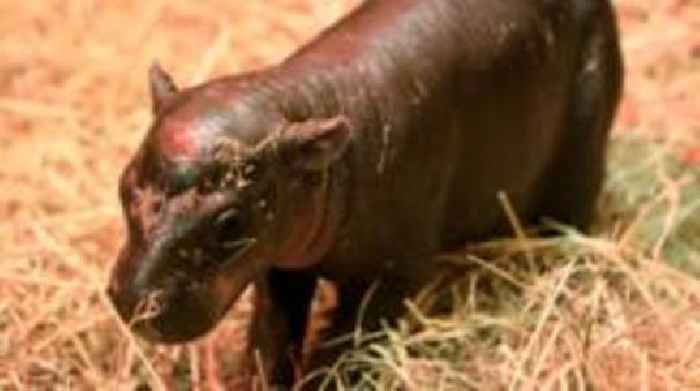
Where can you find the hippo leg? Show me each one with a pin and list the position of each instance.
(282, 303)
(364, 306)
(579, 168)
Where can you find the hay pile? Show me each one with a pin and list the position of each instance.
(606, 310)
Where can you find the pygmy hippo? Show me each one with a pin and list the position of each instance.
(376, 146)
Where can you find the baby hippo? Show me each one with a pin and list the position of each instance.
(376, 146)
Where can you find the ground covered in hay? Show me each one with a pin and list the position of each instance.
(616, 310)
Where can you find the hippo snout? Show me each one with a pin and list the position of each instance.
(176, 313)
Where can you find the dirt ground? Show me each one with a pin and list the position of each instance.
(74, 106)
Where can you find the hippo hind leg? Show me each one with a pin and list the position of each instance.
(578, 168)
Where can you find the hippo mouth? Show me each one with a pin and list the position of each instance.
(170, 316)
(240, 247)
(186, 307)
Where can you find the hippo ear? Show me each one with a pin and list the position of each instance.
(162, 86)
(315, 144)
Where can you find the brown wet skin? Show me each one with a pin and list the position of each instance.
(375, 147)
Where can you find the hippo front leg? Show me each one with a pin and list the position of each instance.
(282, 303)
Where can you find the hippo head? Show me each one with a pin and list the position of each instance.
(212, 199)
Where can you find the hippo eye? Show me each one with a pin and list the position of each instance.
(229, 225)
